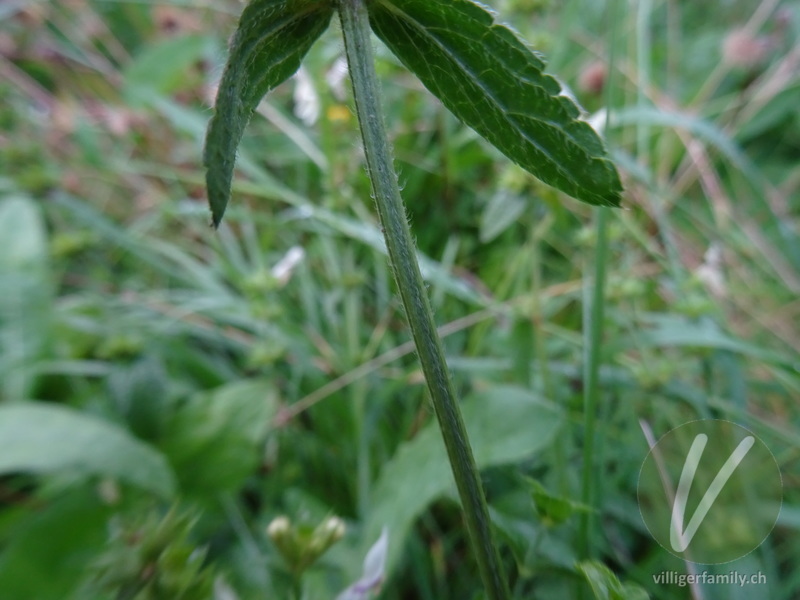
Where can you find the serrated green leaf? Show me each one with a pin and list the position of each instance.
(272, 38)
(47, 438)
(494, 83)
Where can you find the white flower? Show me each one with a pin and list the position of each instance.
(279, 527)
(335, 77)
(306, 99)
(373, 572)
(710, 272)
(282, 270)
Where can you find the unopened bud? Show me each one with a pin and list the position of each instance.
(334, 528)
(592, 78)
(278, 528)
(327, 533)
(743, 49)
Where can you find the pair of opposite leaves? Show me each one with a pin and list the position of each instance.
(479, 70)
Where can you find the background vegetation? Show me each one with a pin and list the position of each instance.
(191, 387)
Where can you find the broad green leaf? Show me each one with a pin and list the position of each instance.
(505, 424)
(494, 83)
(212, 441)
(139, 390)
(47, 553)
(272, 38)
(47, 438)
(26, 294)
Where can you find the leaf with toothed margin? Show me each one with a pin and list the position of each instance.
(272, 38)
(494, 83)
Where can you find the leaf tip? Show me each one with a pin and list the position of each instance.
(613, 198)
(218, 191)
(216, 219)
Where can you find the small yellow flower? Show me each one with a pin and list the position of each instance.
(339, 112)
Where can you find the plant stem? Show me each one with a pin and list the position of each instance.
(402, 254)
(593, 328)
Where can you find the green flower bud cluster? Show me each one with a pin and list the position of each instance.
(154, 559)
(301, 545)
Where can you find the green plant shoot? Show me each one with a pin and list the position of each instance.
(488, 78)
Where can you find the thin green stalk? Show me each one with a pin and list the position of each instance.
(355, 27)
(593, 323)
(593, 326)
(352, 316)
(643, 61)
(537, 307)
(359, 395)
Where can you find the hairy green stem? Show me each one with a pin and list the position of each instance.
(380, 168)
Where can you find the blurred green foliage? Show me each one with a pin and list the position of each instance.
(167, 392)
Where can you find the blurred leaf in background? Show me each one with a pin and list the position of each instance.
(26, 298)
